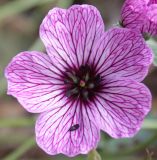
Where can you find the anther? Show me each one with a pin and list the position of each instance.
(91, 85)
(73, 77)
(87, 77)
(72, 92)
(85, 94)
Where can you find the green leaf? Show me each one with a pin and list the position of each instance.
(153, 45)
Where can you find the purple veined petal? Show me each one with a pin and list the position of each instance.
(150, 2)
(122, 106)
(70, 130)
(35, 82)
(140, 15)
(124, 53)
(152, 20)
(132, 7)
(132, 14)
(71, 34)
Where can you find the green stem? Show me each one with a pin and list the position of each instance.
(18, 122)
(17, 6)
(28, 144)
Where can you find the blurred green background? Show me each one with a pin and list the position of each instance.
(19, 25)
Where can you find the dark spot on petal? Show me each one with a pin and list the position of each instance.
(74, 127)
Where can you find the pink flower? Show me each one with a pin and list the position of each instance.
(140, 15)
(89, 81)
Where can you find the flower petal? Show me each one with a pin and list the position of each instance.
(140, 15)
(70, 130)
(152, 19)
(71, 34)
(122, 106)
(132, 14)
(34, 81)
(123, 53)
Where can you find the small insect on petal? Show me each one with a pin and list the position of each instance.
(74, 127)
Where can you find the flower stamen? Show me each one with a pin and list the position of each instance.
(83, 83)
(71, 92)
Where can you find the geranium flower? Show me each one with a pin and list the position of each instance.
(140, 15)
(88, 81)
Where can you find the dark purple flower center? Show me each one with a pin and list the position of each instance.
(83, 83)
(152, 2)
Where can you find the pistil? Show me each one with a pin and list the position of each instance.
(82, 83)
